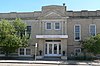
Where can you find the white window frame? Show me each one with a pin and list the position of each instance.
(24, 51)
(89, 28)
(79, 32)
(59, 26)
(46, 26)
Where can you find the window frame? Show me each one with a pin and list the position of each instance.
(1, 54)
(55, 26)
(79, 32)
(25, 54)
(29, 32)
(90, 28)
(20, 52)
(28, 52)
(46, 26)
(77, 48)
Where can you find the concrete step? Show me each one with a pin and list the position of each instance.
(52, 58)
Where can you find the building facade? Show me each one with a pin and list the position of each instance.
(56, 32)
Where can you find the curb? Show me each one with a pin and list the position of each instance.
(46, 63)
(51, 62)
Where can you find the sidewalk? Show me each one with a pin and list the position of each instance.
(52, 62)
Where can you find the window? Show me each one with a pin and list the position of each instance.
(77, 51)
(1, 52)
(24, 51)
(22, 33)
(21, 51)
(77, 32)
(48, 26)
(28, 52)
(28, 31)
(53, 40)
(57, 26)
(92, 29)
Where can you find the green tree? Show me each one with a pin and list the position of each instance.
(21, 31)
(92, 44)
(10, 36)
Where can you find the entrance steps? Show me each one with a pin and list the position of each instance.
(52, 58)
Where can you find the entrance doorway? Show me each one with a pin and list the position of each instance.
(53, 49)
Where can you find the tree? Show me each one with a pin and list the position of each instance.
(10, 36)
(92, 44)
(20, 28)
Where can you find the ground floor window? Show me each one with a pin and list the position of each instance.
(1, 52)
(21, 51)
(77, 51)
(24, 51)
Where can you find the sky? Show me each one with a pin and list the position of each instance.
(35, 5)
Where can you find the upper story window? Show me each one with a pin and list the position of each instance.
(77, 32)
(57, 26)
(48, 26)
(28, 31)
(22, 33)
(52, 25)
(92, 29)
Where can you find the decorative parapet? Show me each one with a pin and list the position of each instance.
(58, 9)
(83, 13)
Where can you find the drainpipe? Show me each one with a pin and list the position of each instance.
(66, 31)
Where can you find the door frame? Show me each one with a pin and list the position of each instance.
(52, 49)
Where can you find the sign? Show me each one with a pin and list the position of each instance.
(51, 36)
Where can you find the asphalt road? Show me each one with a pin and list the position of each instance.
(16, 64)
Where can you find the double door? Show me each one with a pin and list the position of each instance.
(53, 49)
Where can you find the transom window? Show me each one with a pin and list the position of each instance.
(48, 26)
(57, 26)
(77, 32)
(53, 40)
(92, 29)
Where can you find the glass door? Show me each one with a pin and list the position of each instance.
(52, 49)
(55, 48)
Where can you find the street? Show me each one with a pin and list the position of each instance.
(16, 64)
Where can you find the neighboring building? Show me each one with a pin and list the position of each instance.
(56, 31)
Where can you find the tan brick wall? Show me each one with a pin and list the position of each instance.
(38, 19)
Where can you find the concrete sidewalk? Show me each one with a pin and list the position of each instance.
(52, 62)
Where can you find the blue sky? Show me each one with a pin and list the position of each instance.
(35, 5)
